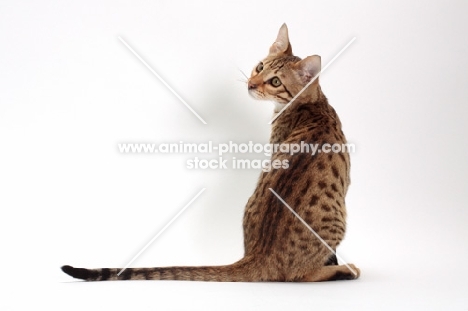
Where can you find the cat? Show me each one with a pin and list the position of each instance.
(278, 247)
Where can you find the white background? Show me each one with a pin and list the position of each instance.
(70, 91)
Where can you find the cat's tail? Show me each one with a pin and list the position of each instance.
(245, 270)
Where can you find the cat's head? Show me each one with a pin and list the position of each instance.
(281, 75)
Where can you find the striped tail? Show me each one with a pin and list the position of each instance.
(241, 271)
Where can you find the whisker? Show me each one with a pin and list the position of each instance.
(244, 81)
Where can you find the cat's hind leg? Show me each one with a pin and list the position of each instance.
(332, 261)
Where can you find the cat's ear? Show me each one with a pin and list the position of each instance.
(281, 45)
(309, 67)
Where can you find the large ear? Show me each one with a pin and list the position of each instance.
(309, 67)
(281, 45)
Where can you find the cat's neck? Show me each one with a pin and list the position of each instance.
(311, 95)
(301, 114)
(278, 108)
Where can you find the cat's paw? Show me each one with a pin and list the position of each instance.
(351, 272)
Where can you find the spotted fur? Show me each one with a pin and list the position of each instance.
(278, 247)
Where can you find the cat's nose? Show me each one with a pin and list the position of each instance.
(251, 85)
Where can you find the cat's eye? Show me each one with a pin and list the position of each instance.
(275, 82)
(259, 67)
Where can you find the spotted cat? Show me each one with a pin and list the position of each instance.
(278, 247)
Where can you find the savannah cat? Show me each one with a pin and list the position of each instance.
(278, 247)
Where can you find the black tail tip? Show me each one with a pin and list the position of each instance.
(67, 269)
(78, 273)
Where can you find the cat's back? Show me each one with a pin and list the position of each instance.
(314, 184)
